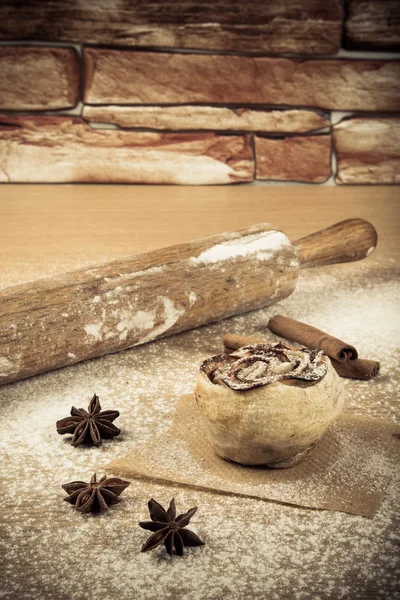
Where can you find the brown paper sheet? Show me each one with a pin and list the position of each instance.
(347, 471)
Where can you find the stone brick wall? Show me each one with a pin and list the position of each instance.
(200, 92)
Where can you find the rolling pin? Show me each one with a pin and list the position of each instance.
(62, 320)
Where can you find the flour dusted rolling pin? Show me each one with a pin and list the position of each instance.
(62, 320)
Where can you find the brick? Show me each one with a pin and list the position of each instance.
(293, 26)
(367, 150)
(211, 118)
(38, 78)
(65, 149)
(126, 77)
(372, 24)
(298, 158)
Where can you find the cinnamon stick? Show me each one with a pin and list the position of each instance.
(351, 369)
(312, 338)
(361, 368)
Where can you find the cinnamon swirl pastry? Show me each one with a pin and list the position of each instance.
(268, 404)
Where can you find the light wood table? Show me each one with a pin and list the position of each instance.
(254, 549)
(48, 229)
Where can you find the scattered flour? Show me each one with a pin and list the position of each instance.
(169, 318)
(265, 244)
(93, 329)
(254, 549)
(128, 320)
(192, 298)
(150, 271)
(6, 366)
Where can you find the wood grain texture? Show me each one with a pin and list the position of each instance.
(127, 77)
(50, 229)
(347, 241)
(116, 305)
(63, 320)
(211, 118)
(372, 24)
(66, 149)
(45, 227)
(293, 26)
(367, 150)
(305, 159)
(34, 78)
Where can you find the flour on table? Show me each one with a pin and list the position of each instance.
(254, 549)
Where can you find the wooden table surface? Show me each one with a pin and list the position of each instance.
(254, 549)
(48, 229)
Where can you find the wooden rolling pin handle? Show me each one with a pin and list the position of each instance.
(346, 241)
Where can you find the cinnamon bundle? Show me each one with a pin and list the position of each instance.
(351, 368)
(361, 368)
(312, 338)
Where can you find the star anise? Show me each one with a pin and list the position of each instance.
(89, 427)
(169, 528)
(95, 496)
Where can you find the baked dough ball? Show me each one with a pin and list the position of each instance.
(268, 404)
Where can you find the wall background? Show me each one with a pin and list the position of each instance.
(198, 92)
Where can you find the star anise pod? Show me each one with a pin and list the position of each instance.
(169, 528)
(89, 427)
(95, 496)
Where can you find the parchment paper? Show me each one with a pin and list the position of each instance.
(347, 471)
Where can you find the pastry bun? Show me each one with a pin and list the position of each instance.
(268, 404)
